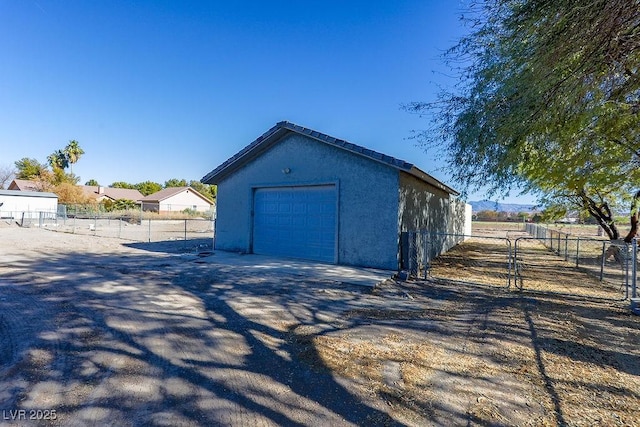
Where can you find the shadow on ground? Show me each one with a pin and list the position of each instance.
(147, 338)
(174, 246)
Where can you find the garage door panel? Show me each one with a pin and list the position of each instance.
(298, 222)
(299, 208)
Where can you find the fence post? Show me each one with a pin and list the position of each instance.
(509, 263)
(602, 263)
(413, 254)
(634, 258)
(516, 266)
(566, 247)
(578, 252)
(149, 230)
(626, 272)
(423, 236)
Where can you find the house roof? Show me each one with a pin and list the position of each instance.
(28, 193)
(112, 193)
(165, 193)
(89, 190)
(24, 185)
(284, 128)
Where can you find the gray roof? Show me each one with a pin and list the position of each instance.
(27, 193)
(94, 191)
(25, 185)
(165, 193)
(281, 129)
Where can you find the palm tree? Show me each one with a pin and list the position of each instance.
(58, 160)
(73, 152)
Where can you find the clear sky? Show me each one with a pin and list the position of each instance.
(154, 90)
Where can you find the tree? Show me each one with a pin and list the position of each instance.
(58, 160)
(209, 191)
(72, 153)
(174, 182)
(69, 193)
(548, 100)
(28, 168)
(122, 184)
(487, 216)
(119, 205)
(7, 174)
(92, 182)
(148, 187)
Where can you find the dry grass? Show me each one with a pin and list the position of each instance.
(562, 351)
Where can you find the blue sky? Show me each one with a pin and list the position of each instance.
(154, 90)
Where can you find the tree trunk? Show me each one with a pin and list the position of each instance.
(602, 213)
(635, 213)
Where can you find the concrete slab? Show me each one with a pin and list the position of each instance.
(253, 263)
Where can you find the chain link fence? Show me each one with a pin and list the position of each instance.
(428, 255)
(536, 259)
(612, 263)
(29, 218)
(129, 225)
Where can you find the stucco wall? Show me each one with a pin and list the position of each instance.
(184, 200)
(367, 198)
(424, 207)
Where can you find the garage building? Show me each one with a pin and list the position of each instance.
(299, 193)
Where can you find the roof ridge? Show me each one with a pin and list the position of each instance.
(403, 164)
(264, 141)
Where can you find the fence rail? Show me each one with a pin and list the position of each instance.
(125, 227)
(537, 258)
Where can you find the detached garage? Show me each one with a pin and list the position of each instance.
(295, 192)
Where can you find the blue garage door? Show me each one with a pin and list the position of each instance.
(298, 222)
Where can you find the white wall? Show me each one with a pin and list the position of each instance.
(184, 200)
(468, 215)
(13, 205)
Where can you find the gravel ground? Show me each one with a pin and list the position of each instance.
(97, 332)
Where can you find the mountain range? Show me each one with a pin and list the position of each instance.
(488, 205)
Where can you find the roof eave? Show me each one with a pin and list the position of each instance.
(414, 171)
(281, 129)
(250, 152)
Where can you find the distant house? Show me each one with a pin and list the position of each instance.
(176, 199)
(100, 193)
(299, 193)
(94, 192)
(24, 185)
(27, 204)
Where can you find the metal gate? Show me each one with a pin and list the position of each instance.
(541, 261)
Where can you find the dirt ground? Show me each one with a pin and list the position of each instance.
(95, 331)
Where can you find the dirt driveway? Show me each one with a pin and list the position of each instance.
(95, 332)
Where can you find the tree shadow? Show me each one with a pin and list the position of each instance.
(143, 339)
(138, 340)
